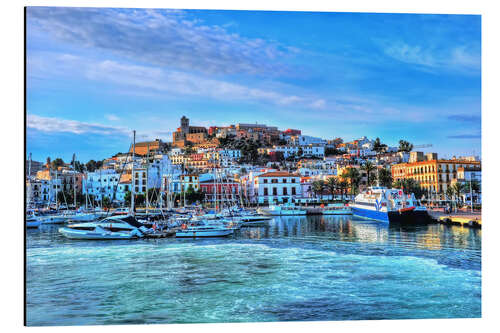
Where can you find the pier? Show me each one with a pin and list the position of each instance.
(467, 219)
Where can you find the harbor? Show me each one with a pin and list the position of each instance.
(297, 268)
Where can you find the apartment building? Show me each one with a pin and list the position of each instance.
(277, 187)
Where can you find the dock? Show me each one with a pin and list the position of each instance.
(457, 218)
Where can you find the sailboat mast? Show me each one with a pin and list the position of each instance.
(74, 182)
(147, 177)
(132, 208)
(29, 181)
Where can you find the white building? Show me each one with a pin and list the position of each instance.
(277, 187)
(230, 153)
(101, 183)
(304, 140)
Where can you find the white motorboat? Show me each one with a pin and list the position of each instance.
(285, 209)
(337, 209)
(57, 218)
(114, 227)
(254, 218)
(201, 229)
(87, 217)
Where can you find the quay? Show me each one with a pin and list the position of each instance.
(467, 219)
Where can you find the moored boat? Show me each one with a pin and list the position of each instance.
(284, 209)
(114, 227)
(202, 229)
(337, 209)
(388, 205)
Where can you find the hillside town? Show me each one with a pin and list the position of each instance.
(252, 164)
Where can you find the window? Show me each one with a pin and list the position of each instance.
(285, 191)
(265, 181)
(284, 180)
(293, 191)
(293, 180)
(275, 191)
(143, 189)
(274, 181)
(265, 191)
(136, 189)
(143, 175)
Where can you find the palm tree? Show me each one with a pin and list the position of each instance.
(405, 146)
(449, 193)
(318, 186)
(332, 185)
(342, 185)
(458, 189)
(378, 146)
(369, 168)
(384, 177)
(352, 174)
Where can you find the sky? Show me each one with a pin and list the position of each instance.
(95, 74)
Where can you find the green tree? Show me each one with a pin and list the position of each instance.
(410, 186)
(405, 146)
(318, 186)
(342, 185)
(140, 199)
(332, 186)
(58, 162)
(369, 168)
(128, 198)
(384, 177)
(352, 174)
(106, 202)
(458, 189)
(450, 193)
(378, 146)
(91, 166)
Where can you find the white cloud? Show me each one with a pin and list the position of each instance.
(112, 117)
(57, 125)
(460, 59)
(160, 37)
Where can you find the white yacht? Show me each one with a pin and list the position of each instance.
(284, 209)
(202, 229)
(114, 227)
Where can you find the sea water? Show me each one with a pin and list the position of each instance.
(296, 269)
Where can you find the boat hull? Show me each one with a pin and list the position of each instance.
(55, 219)
(33, 224)
(288, 212)
(337, 212)
(204, 233)
(92, 235)
(400, 217)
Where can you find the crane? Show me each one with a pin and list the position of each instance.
(427, 145)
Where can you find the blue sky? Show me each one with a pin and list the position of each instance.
(93, 75)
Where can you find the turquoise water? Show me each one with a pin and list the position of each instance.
(314, 268)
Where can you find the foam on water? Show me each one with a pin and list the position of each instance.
(302, 269)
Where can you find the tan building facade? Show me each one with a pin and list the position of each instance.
(435, 176)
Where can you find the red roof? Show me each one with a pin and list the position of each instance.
(278, 174)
